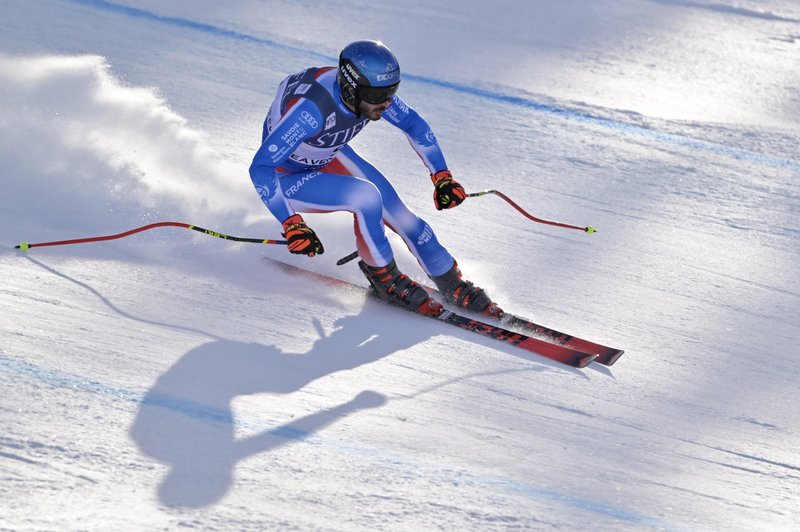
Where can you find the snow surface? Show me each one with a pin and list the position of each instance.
(172, 380)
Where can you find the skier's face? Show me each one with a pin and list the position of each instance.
(373, 111)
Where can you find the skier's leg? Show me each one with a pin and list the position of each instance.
(327, 191)
(437, 262)
(417, 234)
(334, 189)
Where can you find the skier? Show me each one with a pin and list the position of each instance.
(304, 164)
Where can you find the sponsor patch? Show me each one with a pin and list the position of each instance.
(330, 121)
(426, 235)
(292, 190)
(308, 119)
(294, 134)
(337, 138)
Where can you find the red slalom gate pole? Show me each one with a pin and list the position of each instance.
(26, 246)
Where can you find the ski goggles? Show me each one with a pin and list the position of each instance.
(377, 95)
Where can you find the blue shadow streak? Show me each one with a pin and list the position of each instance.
(192, 409)
(61, 379)
(499, 97)
(143, 14)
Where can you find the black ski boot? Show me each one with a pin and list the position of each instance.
(397, 288)
(465, 295)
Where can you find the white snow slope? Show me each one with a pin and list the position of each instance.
(173, 380)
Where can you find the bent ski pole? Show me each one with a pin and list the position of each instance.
(588, 229)
(26, 246)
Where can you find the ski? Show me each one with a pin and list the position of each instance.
(605, 355)
(559, 353)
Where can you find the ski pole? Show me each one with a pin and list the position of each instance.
(588, 229)
(348, 258)
(26, 246)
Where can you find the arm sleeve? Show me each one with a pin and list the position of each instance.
(418, 132)
(304, 120)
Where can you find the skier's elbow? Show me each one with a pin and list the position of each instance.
(260, 172)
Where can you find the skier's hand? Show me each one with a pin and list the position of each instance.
(302, 240)
(448, 192)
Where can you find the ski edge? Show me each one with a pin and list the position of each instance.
(606, 355)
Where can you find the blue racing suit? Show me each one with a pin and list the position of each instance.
(305, 165)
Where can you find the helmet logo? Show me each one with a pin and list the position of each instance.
(387, 77)
(350, 74)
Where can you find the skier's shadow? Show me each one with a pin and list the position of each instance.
(186, 421)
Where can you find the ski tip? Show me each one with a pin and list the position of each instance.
(24, 246)
(612, 356)
(584, 359)
(589, 229)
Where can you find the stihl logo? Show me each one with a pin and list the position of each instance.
(337, 138)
